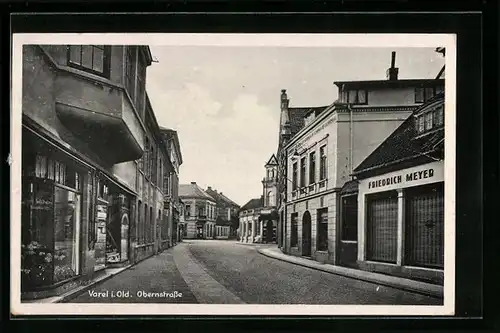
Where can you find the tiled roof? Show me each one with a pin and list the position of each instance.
(193, 191)
(405, 144)
(253, 204)
(221, 197)
(297, 115)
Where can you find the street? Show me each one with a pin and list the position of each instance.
(226, 272)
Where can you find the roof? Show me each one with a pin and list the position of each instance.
(172, 134)
(193, 191)
(253, 204)
(297, 115)
(405, 144)
(272, 161)
(223, 222)
(388, 83)
(218, 196)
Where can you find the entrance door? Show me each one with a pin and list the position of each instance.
(349, 231)
(306, 234)
(425, 227)
(269, 231)
(199, 231)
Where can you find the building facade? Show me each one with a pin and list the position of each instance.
(171, 180)
(259, 217)
(321, 156)
(90, 165)
(200, 212)
(400, 199)
(226, 215)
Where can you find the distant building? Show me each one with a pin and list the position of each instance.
(226, 215)
(171, 180)
(200, 212)
(259, 217)
(319, 160)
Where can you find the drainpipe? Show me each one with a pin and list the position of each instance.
(351, 140)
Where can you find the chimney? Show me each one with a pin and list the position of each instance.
(194, 183)
(392, 72)
(209, 188)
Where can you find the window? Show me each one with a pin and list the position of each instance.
(145, 157)
(322, 168)
(188, 210)
(302, 172)
(294, 231)
(422, 95)
(421, 125)
(145, 225)
(130, 70)
(141, 88)
(151, 169)
(270, 199)
(312, 168)
(294, 175)
(151, 225)
(428, 121)
(322, 217)
(91, 58)
(438, 116)
(166, 184)
(357, 97)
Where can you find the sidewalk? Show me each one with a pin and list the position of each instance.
(382, 279)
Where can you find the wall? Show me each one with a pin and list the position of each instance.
(369, 131)
(391, 97)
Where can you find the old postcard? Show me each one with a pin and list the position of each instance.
(225, 174)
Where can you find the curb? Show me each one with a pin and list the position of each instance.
(422, 288)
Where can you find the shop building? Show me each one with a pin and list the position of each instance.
(85, 129)
(400, 199)
(321, 156)
(171, 181)
(227, 219)
(200, 212)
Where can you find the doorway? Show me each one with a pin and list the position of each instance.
(306, 234)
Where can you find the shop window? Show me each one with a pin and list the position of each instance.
(67, 207)
(90, 58)
(322, 167)
(421, 124)
(294, 239)
(51, 222)
(322, 216)
(312, 168)
(294, 176)
(428, 121)
(438, 116)
(302, 172)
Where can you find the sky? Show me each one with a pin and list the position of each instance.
(224, 101)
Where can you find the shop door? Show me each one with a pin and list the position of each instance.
(306, 235)
(269, 231)
(424, 243)
(349, 231)
(382, 227)
(113, 232)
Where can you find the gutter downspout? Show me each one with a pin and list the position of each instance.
(351, 139)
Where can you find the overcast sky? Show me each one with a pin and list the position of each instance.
(224, 101)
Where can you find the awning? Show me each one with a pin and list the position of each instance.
(351, 187)
(272, 215)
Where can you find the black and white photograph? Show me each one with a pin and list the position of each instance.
(224, 174)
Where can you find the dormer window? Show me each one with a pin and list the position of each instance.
(423, 94)
(429, 120)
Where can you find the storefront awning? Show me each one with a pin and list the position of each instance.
(269, 215)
